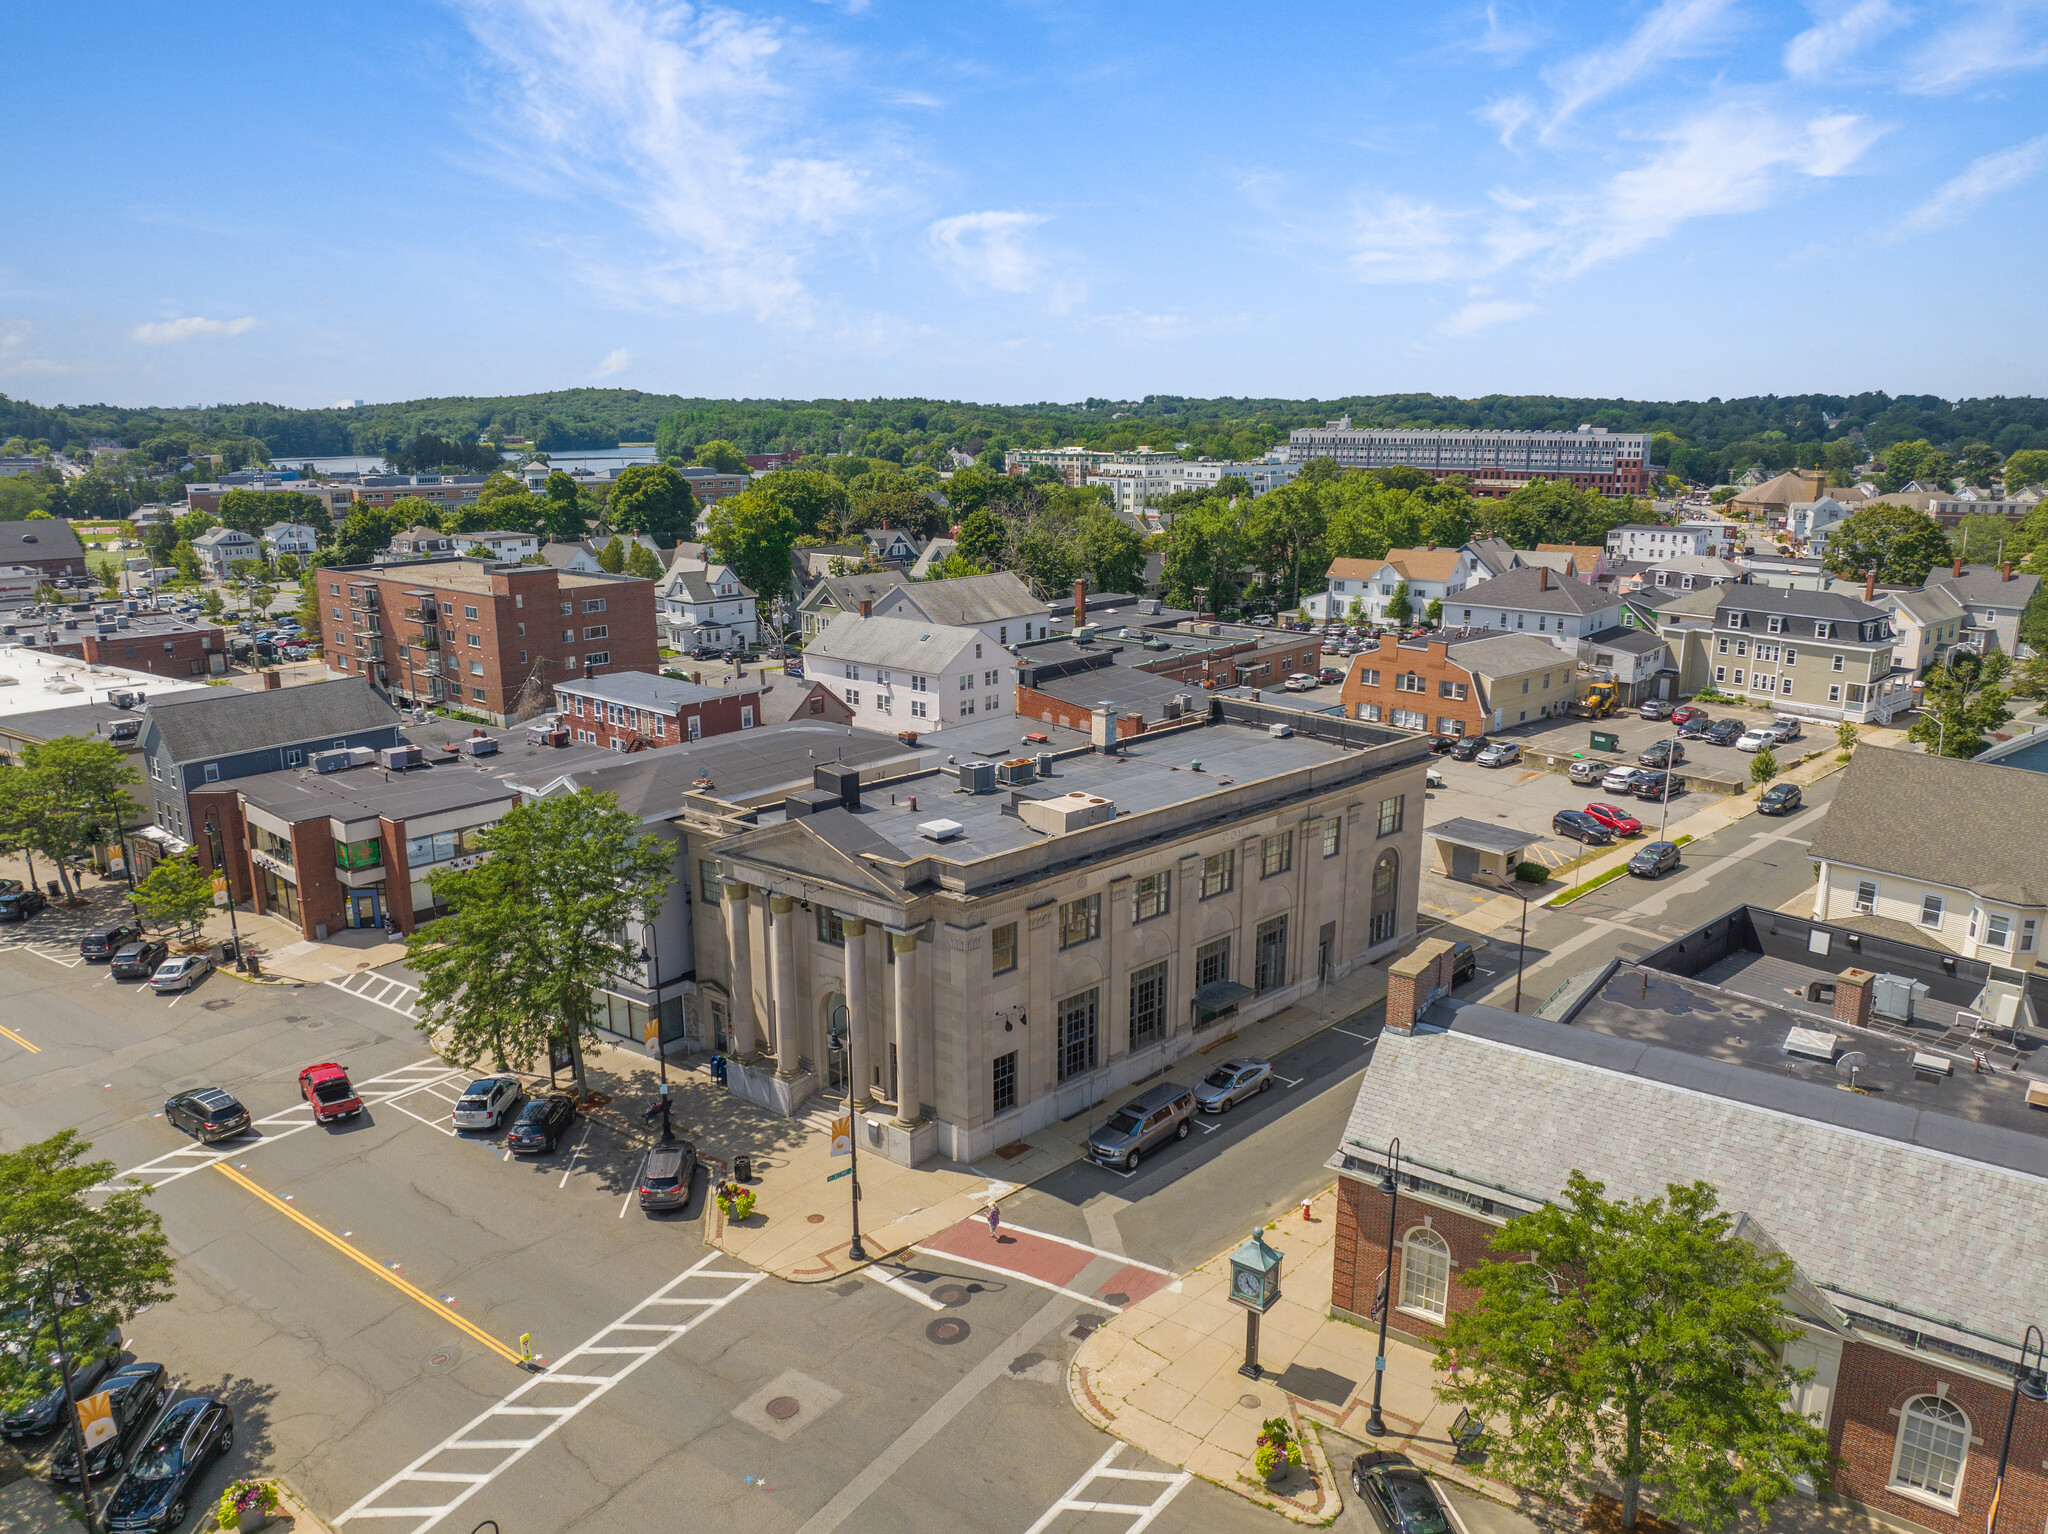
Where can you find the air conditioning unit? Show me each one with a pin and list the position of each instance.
(479, 745)
(940, 830)
(1279, 731)
(1017, 770)
(976, 777)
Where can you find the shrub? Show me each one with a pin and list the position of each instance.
(1531, 873)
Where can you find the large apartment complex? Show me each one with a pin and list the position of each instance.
(469, 634)
(1496, 462)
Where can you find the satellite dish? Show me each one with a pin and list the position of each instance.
(1854, 1061)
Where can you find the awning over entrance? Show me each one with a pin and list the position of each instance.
(163, 839)
(1218, 994)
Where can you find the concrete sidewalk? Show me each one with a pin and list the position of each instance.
(1163, 1376)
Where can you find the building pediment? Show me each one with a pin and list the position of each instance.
(793, 859)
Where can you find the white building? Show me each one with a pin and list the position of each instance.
(1362, 588)
(1536, 600)
(219, 547)
(498, 544)
(700, 606)
(906, 674)
(1645, 544)
(290, 538)
(1000, 605)
(1813, 521)
(1137, 486)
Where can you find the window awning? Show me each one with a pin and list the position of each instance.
(1218, 994)
(163, 839)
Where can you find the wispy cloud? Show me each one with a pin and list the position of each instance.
(1985, 177)
(991, 249)
(617, 362)
(1676, 29)
(695, 122)
(1509, 114)
(1823, 48)
(1504, 37)
(1397, 240)
(1982, 42)
(192, 328)
(1484, 315)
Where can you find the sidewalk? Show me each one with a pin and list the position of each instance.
(1163, 1376)
(802, 1225)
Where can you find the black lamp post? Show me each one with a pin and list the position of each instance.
(654, 1012)
(1514, 887)
(75, 1298)
(1390, 1185)
(2032, 1384)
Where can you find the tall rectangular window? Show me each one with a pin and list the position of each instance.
(1269, 955)
(1080, 920)
(1276, 854)
(1004, 1096)
(1333, 836)
(1390, 814)
(1077, 1016)
(1149, 896)
(1002, 949)
(830, 928)
(1931, 907)
(707, 882)
(1148, 1005)
(1219, 873)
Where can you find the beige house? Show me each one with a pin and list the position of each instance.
(1815, 654)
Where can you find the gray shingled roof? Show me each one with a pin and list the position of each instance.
(228, 720)
(909, 642)
(1508, 654)
(1890, 815)
(1523, 591)
(968, 600)
(849, 591)
(1797, 602)
(41, 539)
(1984, 586)
(641, 689)
(1933, 605)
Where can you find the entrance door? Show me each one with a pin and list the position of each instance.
(1324, 946)
(362, 909)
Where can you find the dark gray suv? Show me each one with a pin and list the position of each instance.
(1147, 1120)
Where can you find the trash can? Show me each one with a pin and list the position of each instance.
(252, 965)
(743, 1168)
(227, 950)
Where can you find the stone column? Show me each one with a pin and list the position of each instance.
(909, 1086)
(739, 939)
(782, 945)
(859, 1063)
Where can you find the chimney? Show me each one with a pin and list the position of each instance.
(272, 681)
(867, 609)
(1543, 578)
(1870, 586)
(1957, 567)
(1853, 996)
(1080, 602)
(2005, 571)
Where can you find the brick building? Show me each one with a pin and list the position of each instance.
(48, 546)
(472, 634)
(1909, 1212)
(109, 634)
(632, 711)
(1458, 684)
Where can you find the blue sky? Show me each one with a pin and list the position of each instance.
(1023, 199)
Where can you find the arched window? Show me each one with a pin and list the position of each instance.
(1425, 1273)
(1934, 1440)
(1386, 884)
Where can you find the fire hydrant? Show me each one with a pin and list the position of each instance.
(1304, 1209)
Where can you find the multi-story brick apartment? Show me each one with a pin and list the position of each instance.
(470, 634)
(1446, 685)
(1908, 1209)
(632, 711)
(1496, 462)
(48, 546)
(435, 489)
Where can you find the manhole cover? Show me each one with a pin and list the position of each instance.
(814, 1219)
(441, 1360)
(315, 1022)
(215, 1006)
(946, 1331)
(950, 1295)
(1250, 1401)
(782, 1408)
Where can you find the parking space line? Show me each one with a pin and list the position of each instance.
(1205, 1126)
(1290, 1080)
(369, 1263)
(570, 1169)
(446, 1129)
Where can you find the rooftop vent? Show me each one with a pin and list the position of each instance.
(1279, 731)
(1811, 1043)
(1065, 812)
(940, 830)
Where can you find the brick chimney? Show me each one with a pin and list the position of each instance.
(1870, 586)
(272, 681)
(1852, 996)
(1543, 578)
(867, 609)
(1412, 978)
(1957, 568)
(1080, 602)
(2005, 571)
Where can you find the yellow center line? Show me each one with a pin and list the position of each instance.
(33, 1049)
(370, 1263)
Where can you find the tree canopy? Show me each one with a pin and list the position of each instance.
(652, 499)
(1899, 543)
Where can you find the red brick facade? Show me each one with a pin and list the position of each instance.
(185, 653)
(626, 727)
(1046, 709)
(1415, 678)
(1246, 665)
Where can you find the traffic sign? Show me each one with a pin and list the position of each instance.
(845, 1171)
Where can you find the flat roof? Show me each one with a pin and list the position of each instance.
(359, 793)
(644, 689)
(463, 574)
(41, 681)
(1482, 834)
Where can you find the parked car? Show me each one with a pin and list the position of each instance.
(1500, 754)
(1655, 708)
(181, 973)
(1665, 753)
(1147, 1120)
(1231, 1083)
(207, 1114)
(1722, 732)
(665, 1175)
(486, 1102)
(1433, 777)
(105, 942)
(1464, 961)
(138, 961)
(1399, 1497)
(95, 1344)
(1779, 799)
(1654, 861)
(1329, 676)
(1621, 780)
(134, 1393)
(1468, 748)
(326, 1086)
(1586, 770)
(1783, 728)
(1615, 818)
(540, 1125)
(1580, 826)
(1756, 738)
(163, 1481)
(1301, 681)
(1686, 712)
(21, 904)
(1443, 745)
(1695, 727)
(1654, 786)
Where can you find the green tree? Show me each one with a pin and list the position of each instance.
(288, 566)
(1204, 557)
(1982, 537)
(1110, 550)
(1638, 1339)
(67, 797)
(1436, 611)
(1840, 459)
(194, 523)
(1899, 543)
(754, 533)
(563, 515)
(54, 1228)
(367, 531)
(612, 557)
(952, 568)
(1284, 535)
(1977, 464)
(817, 501)
(723, 456)
(1845, 736)
(1904, 462)
(251, 511)
(1963, 701)
(176, 894)
(2028, 466)
(1399, 608)
(652, 499)
(984, 538)
(642, 562)
(535, 929)
(186, 559)
(1763, 767)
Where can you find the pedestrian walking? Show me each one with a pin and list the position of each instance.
(995, 1223)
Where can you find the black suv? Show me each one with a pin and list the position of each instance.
(138, 961)
(666, 1174)
(1722, 732)
(1653, 786)
(1582, 827)
(1468, 748)
(1464, 962)
(105, 942)
(20, 905)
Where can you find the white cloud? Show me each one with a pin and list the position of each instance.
(1831, 42)
(1510, 114)
(1987, 40)
(694, 122)
(1506, 40)
(1402, 241)
(1676, 29)
(990, 248)
(164, 332)
(1484, 315)
(617, 362)
(1985, 177)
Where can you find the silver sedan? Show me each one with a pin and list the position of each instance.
(1231, 1083)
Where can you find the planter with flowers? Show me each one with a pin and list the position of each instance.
(1278, 1450)
(247, 1506)
(735, 1202)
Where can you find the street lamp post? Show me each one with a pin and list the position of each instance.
(74, 1299)
(1514, 887)
(220, 862)
(1390, 1185)
(654, 1013)
(2032, 1384)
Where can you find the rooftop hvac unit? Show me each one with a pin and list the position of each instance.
(1065, 812)
(1279, 731)
(1044, 763)
(977, 777)
(401, 757)
(1811, 1043)
(479, 745)
(329, 761)
(1085, 633)
(361, 756)
(940, 830)
(1893, 996)
(1016, 770)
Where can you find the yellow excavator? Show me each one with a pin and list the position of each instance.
(1598, 702)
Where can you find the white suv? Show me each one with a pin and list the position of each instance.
(487, 1102)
